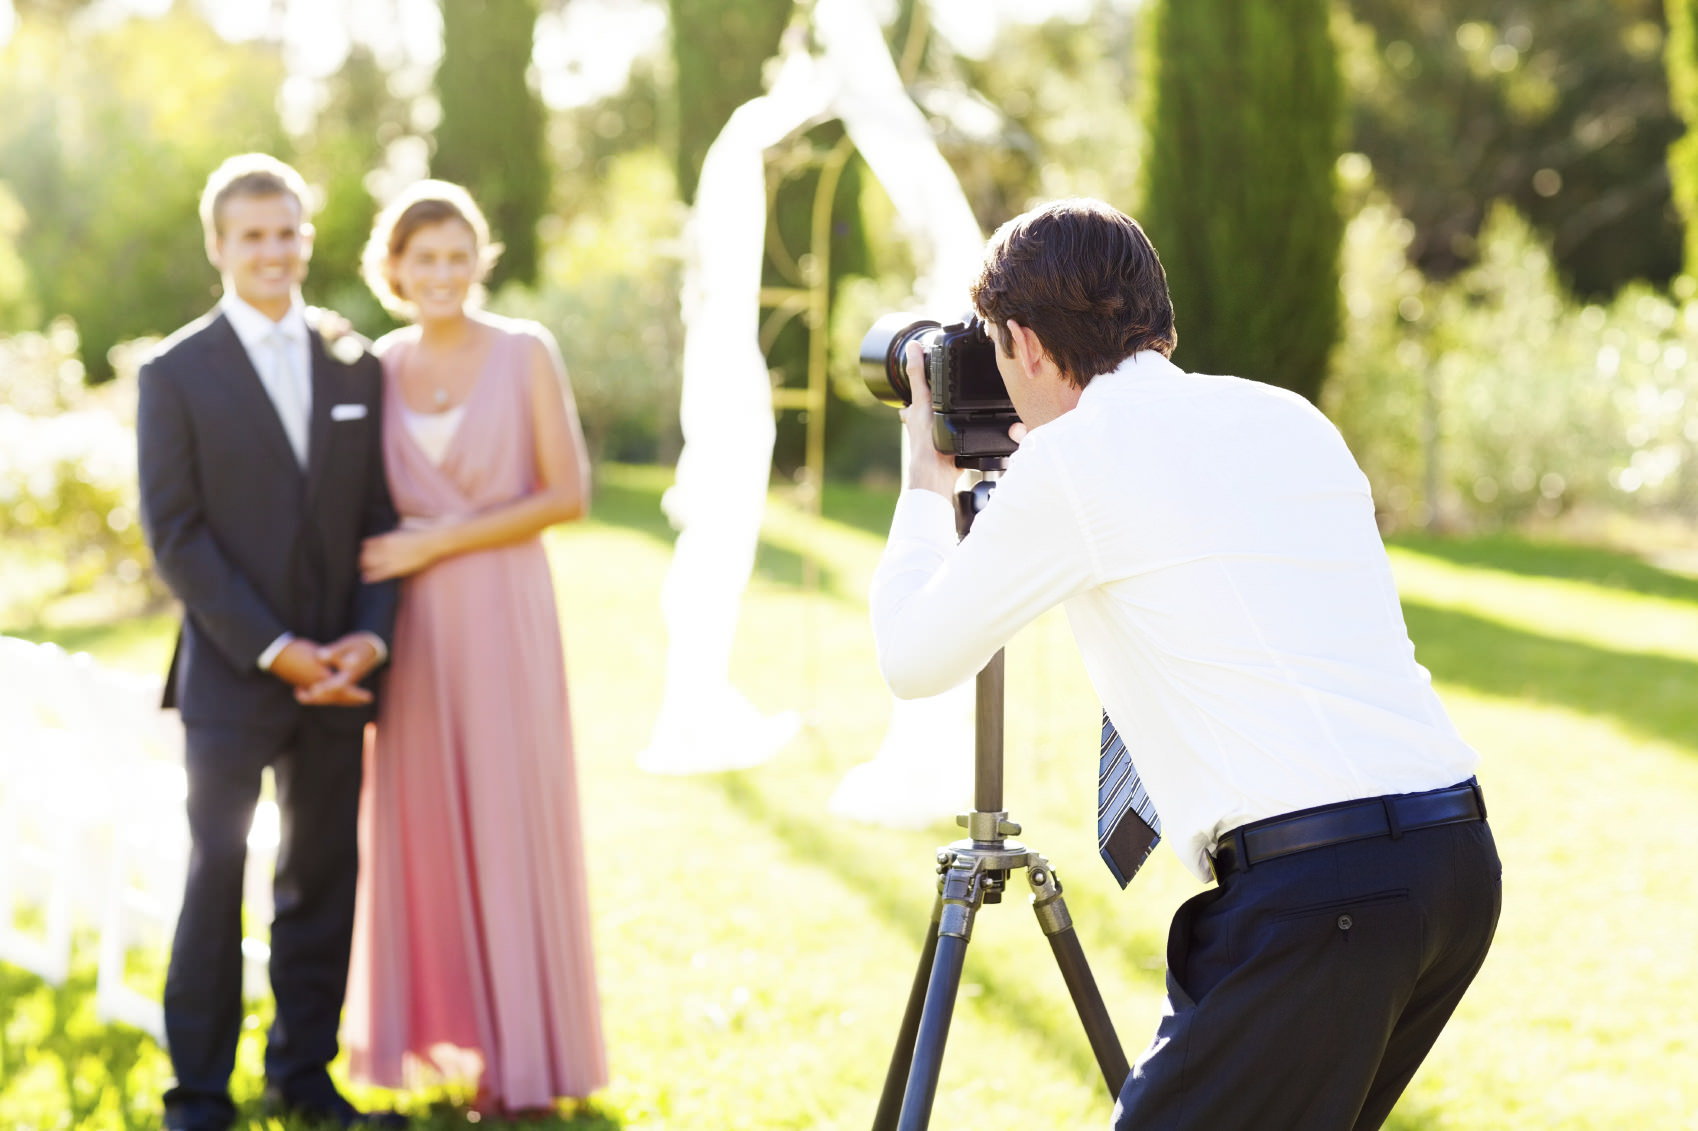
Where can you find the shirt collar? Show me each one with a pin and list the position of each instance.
(1145, 365)
(252, 327)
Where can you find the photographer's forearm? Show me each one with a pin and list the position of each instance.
(941, 610)
(923, 648)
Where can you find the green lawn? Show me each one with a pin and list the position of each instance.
(755, 953)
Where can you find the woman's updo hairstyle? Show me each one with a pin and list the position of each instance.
(422, 205)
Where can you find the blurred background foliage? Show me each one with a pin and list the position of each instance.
(1558, 107)
(1470, 209)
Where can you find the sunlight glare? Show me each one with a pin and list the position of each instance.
(586, 51)
(317, 34)
(972, 26)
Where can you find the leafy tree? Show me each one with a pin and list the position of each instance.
(1560, 107)
(359, 118)
(491, 137)
(106, 142)
(1065, 92)
(1683, 86)
(18, 310)
(1243, 117)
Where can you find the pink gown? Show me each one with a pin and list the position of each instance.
(472, 930)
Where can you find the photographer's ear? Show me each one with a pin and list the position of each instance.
(1028, 351)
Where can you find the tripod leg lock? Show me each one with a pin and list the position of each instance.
(963, 891)
(1047, 903)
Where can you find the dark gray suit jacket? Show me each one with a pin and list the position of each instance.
(250, 544)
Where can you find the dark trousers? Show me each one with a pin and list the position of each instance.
(1304, 992)
(317, 773)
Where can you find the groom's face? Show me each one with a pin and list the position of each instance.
(261, 249)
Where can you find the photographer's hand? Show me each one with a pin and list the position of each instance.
(928, 468)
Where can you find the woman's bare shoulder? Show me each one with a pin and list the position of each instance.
(387, 344)
(533, 331)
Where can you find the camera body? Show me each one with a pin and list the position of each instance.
(971, 410)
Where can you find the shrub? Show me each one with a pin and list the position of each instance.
(609, 293)
(1495, 397)
(68, 498)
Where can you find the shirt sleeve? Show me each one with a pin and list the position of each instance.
(269, 656)
(941, 610)
(378, 644)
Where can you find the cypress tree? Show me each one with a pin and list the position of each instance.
(344, 145)
(491, 137)
(1244, 121)
(718, 47)
(1681, 55)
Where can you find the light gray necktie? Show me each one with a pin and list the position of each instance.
(289, 392)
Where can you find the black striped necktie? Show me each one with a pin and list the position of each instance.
(1128, 827)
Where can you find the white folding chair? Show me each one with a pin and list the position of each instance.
(39, 835)
(144, 888)
(92, 825)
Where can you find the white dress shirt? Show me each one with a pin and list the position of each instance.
(287, 377)
(288, 382)
(1214, 544)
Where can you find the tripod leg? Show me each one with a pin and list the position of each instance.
(962, 893)
(934, 1031)
(1057, 926)
(896, 1080)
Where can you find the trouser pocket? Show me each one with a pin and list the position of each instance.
(1180, 940)
(1368, 899)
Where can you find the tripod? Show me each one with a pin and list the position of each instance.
(972, 872)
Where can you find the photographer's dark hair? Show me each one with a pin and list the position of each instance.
(1085, 278)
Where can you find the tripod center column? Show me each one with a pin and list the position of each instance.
(987, 736)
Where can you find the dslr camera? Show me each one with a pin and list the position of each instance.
(971, 412)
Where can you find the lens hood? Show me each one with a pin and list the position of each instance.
(883, 366)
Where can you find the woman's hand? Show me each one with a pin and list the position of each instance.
(399, 553)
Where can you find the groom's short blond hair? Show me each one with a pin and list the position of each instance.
(248, 174)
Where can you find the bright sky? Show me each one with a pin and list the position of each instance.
(583, 52)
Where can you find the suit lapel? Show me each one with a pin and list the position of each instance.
(253, 402)
(323, 395)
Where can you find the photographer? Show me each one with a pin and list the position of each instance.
(1214, 544)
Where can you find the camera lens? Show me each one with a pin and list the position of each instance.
(883, 363)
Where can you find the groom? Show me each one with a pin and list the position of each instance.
(261, 471)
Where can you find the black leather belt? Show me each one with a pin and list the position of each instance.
(1392, 815)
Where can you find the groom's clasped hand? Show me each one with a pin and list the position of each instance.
(328, 675)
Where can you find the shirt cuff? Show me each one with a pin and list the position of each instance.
(377, 643)
(269, 656)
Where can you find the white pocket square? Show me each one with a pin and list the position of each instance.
(347, 412)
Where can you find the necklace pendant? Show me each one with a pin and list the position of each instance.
(441, 396)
